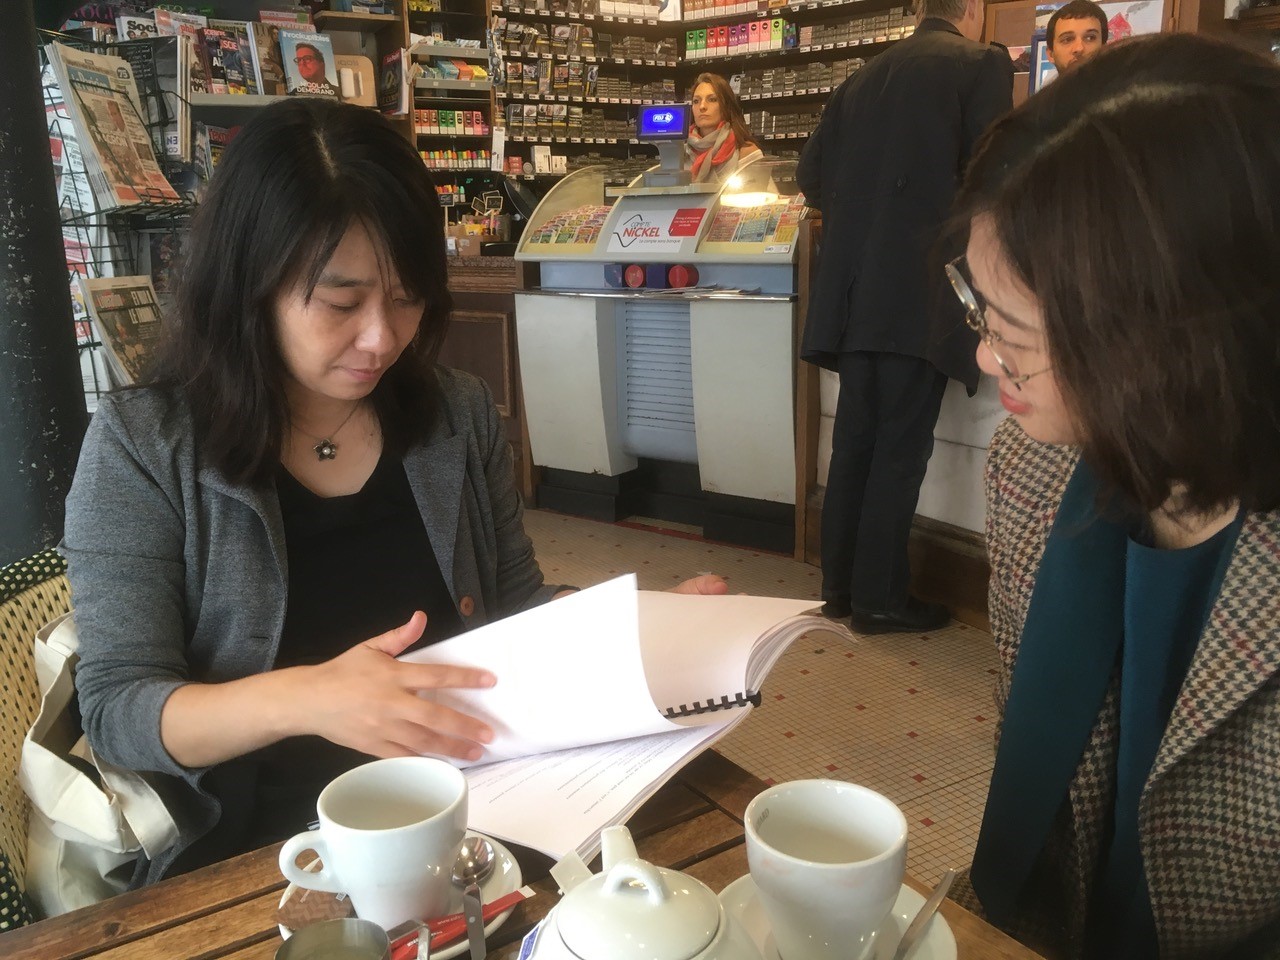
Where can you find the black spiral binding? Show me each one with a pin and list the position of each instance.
(713, 704)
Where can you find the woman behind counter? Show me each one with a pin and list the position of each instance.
(1123, 269)
(300, 495)
(719, 140)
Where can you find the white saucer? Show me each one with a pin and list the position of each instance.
(742, 900)
(506, 878)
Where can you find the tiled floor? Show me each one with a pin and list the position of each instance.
(909, 716)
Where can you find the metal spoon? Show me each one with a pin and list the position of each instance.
(916, 928)
(475, 861)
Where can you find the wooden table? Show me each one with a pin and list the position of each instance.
(227, 911)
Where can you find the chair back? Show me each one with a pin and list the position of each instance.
(32, 592)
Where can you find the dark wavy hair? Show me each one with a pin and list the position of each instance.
(286, 190)
(1138, 198)
(730, 107)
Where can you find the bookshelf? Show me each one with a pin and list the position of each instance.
(335, 20)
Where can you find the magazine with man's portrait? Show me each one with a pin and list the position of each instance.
(309, 64)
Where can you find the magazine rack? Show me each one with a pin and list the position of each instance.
(103, 243)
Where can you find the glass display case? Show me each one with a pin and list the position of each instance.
(753, 215)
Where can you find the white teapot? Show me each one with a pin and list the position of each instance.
(633, 910)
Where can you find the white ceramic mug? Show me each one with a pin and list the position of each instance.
(828, 859)
(389, 833)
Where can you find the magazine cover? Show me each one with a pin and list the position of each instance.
(102, 100)
(136, 27)
(233, 65)
(393, 84)
(161, 257)
(288, 19)
(170, 23)
(267, 65)
(219, 138)
(212, 57)
(127, 318)
(308, 63)
(240, 58)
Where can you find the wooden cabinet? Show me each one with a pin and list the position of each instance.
(482, 341)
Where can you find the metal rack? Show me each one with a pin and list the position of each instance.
(98, 242)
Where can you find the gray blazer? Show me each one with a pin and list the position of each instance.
(179, 576)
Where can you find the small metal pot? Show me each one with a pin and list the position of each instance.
(345, 939)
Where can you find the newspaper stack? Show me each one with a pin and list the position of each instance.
(127, 318)
(102, 103)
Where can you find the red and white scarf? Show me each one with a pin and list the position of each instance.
(712, 152)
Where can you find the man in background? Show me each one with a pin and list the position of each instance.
(1075, 33)
(884, 165)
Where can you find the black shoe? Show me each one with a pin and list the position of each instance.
(918, 616)
(836, 610)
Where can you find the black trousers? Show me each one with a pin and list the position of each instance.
(882, 441)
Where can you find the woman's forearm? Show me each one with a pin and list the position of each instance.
(208, 723)
(364, 699)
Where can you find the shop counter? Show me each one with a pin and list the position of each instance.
(659, 346)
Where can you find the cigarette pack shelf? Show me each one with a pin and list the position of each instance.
(703, 377)
(553, 58)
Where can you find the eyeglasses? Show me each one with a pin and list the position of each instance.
(305, 58)
(976, 317)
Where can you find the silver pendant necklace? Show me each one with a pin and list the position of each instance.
(327, 449)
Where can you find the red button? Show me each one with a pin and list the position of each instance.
(466, 606)
(683, 276)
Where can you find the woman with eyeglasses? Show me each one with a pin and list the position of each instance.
(1123, 270)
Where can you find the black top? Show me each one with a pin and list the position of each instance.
(883, 165)
(359, 565)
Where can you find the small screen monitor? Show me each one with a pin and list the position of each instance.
(662, 121)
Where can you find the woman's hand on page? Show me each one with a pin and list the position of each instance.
(706, 584)
(368, 700)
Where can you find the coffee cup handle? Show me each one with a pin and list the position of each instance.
(322, 879)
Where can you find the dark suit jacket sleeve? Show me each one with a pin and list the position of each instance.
(990, 98)
(809, 169)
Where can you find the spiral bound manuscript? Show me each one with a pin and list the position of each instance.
(712, 704)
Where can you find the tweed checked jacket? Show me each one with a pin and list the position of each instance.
(1209, 816)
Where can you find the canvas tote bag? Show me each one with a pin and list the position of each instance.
(89, 819)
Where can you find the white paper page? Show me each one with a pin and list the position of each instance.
(569, 672)
(560, 802)
(696, 648)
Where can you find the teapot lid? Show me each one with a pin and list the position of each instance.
(637, 910)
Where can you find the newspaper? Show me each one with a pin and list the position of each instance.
(127, 318)
(162, 65)
(102, 101)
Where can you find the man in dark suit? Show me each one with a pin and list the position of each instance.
(884, 166)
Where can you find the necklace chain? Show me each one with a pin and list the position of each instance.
(326, 449)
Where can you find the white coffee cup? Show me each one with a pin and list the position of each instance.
(828, 859)
(389, 833)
